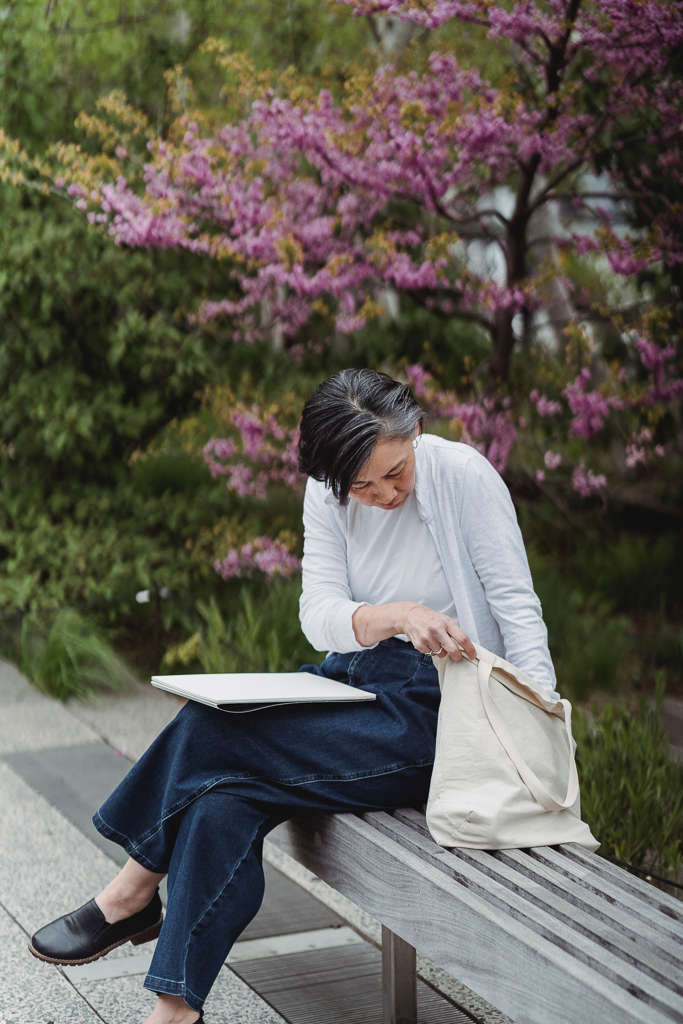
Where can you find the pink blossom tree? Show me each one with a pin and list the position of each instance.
(322, 206)
(263, 452)
(488, 202)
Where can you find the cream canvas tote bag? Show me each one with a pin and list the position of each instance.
(504, 772)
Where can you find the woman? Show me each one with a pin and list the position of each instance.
(411, 550)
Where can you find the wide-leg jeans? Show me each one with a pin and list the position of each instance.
(203, 797)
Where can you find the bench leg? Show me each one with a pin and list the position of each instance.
(399, 980)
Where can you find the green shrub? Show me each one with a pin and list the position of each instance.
(631, 788)
(70, 659)
(262, 634)
(589, 644)
(633, 573)
(665, 648)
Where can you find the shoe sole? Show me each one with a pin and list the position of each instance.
(144, 936)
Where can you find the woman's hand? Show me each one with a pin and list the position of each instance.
(427, 630)
(433, 633)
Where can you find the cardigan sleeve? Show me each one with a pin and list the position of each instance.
(494, 543)
(326, 606)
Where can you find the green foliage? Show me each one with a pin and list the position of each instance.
(634, 573)
(95, 358)
(665, 647)
(631, 789)
(72, 658)
(56, 60)
(261, 634)
(96, 355)
(588, 643)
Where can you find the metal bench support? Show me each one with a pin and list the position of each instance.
(399, 980)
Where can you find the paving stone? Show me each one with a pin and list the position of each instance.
(331, 986)
(48, 866)
(14, 687)
(75, 780)
(287, 908)
(32, 992)
(128, 721)
(125, 1001)
(33, 725)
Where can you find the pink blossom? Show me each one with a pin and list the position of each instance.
(223, 448)
(590, 408)
(418, 378)
(665, 387)
(544, 405)
(540, 476)
(251, 430)
(552, 459)
(585, 482)
(490, 431)
(638, 452)
(263, 553)
(635, 456)
(304, 225)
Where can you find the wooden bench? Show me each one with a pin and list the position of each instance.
(552, 935)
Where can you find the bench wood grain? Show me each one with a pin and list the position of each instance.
(549, 936)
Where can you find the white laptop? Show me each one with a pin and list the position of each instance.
(249, 691)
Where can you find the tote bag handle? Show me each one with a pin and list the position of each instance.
(532, 782)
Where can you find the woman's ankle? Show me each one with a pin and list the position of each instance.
(117, 904)
(172, 1010)
(128, 893)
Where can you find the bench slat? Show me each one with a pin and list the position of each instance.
(658, 900)
(658, 910)
(464, 932)
(639, 935)
(546, 913)
(588, 877)
(619, 938)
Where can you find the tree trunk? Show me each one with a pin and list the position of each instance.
(503, 343)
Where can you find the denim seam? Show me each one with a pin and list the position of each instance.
(352, 777)
(388, 770)
(126, 842)
(214, 901)
(181, 805)
(172, 988)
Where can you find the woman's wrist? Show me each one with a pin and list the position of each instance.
(372, 623)
(402, 610)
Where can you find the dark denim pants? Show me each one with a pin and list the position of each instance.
(201, 800)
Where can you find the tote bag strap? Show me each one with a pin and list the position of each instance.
(530, 779)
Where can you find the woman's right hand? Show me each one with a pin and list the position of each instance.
(433, 633)
(426, 629)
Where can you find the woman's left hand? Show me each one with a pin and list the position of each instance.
(428, 631)
(433, 633)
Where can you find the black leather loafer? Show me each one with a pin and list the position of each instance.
(84, 935)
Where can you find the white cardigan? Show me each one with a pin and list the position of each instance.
(472, 520)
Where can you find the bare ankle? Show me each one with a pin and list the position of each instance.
(117, 905)
(128, 893)
(172, 1010)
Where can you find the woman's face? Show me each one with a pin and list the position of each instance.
(387, 479)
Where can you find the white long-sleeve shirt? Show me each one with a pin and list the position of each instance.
(472, 522)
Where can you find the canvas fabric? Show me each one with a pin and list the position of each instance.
(504, 772)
